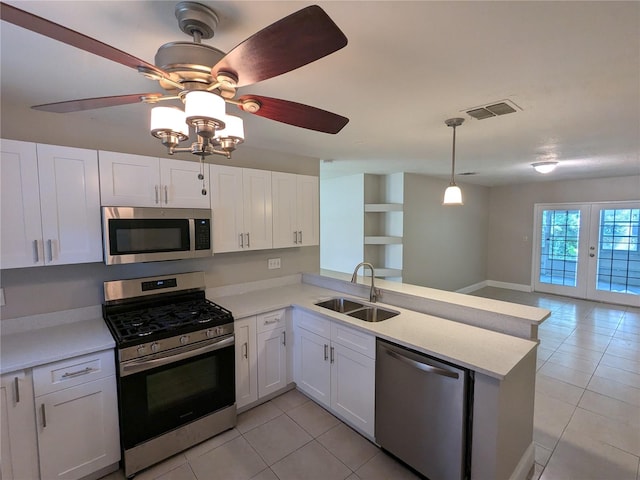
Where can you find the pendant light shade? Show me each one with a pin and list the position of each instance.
(453, 194)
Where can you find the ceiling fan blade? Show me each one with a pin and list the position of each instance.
(292, 42)
(297, 114)
(91, 103)
(40, 25)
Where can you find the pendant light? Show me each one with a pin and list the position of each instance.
(453, 194)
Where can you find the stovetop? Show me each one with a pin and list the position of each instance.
(144, 321)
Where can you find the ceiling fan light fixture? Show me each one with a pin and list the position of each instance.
(545, 167)
(453, 194)
(234, 129)
(204, 111)
(168, 124)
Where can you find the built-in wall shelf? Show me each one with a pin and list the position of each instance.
(383, 207)
(388, 272)
(382, 240)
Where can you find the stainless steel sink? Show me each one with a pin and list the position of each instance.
(361, 311)
(341, 305)
(373, 314)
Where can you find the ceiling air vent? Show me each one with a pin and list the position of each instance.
(493, 110)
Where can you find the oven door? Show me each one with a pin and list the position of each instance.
(159, 393)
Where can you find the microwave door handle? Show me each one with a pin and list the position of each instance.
(192, 235)
(140, 365)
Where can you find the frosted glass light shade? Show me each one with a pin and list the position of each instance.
(544, 167)
(168, 120)
(452, 195)
(234, 128)
(204, 105)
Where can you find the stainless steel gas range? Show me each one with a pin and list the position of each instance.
(176, 372)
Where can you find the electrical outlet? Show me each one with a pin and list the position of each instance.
(273, 263)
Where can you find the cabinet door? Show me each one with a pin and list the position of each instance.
(257, 208)
(227, 208)
(353, 387)
(18, 426)
(180, 186)
(78, 429)
(312, 372)
(308, 210)
(129, 180)
(272, 361)
(246, 361)
(285, 223)
(20, 229)
(70, 204)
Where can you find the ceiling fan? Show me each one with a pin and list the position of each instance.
(184, 67)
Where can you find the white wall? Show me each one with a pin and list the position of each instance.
(444, 246)
(341, 222)
(511, 226)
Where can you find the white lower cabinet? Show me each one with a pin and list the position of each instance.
(18, 427)
(261, 356)
(335, 365)
(77, 416)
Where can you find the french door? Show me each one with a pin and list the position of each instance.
(589, 251)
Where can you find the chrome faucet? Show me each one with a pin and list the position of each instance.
(374, 293)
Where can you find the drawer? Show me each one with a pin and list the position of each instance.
(353, 339)
(269, 321)
(73, 371)
(313, 323)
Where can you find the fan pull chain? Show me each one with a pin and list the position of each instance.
(201, 175)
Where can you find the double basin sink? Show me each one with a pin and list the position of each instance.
(361, 311)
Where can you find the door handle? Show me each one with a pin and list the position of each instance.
(241, 235)
(50, 245)
(326, 352)
(245, 347)
(332, 350)
(248, 240)
(284, 338)
(44, 415)
(36, 251)
(166, 195)
(16, 383)
(300, 233)
(156, 187)
(295, 237)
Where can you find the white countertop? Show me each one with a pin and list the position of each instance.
(39, 346)
(484, 351)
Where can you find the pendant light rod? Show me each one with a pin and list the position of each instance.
(453, 122)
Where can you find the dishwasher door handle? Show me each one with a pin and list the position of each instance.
(422, 366)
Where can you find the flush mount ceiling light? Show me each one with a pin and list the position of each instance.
(453, 194)
(544, 167)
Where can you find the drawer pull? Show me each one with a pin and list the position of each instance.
(269, 322)
(84, 371)
(17, 385)
(44, 416)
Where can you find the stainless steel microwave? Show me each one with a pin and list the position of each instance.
(138, 234)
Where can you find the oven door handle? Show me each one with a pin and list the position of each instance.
(141, 365)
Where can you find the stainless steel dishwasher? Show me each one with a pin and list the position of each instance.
(423, 411)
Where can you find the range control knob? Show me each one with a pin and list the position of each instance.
(184, 339)
(155, 346)
(209, 333)
(142, 350)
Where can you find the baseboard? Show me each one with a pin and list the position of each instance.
(473, 288)
(509, 286)
(525, 465)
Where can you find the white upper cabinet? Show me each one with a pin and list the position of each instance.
(296, 214)
(50, 205)
(241, 204)
(140, 181)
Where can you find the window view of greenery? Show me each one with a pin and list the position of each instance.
(559, 252)
(619, 229)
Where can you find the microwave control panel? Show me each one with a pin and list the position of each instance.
(202, 233)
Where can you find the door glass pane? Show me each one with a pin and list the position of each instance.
(618, 256)
(559, 247)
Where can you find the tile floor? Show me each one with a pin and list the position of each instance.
(586, 425)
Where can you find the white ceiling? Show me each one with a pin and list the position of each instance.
(572, 67)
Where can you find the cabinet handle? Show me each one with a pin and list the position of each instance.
(156, 193)
(332, 359)
(84, 371)
(166, 195)
(248, 242)
(245, 347)
(269, 322)
(241, 240)
(326, 354)
(16, 383)
(50, 245)
(36, 251)
(300, 233)
(284, 338)
(44, 415)
(295, 237)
